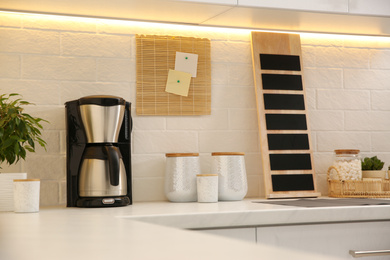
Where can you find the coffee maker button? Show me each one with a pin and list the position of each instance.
(108, 201)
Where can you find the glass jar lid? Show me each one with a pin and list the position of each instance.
(347, 151)
(226, 153)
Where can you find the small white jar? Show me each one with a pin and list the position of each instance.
(207, 186)
(232, 180)
(26, 195)
(180, 176)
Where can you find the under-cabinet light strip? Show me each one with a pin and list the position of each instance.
(201, 27)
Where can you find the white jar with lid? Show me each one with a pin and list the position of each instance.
(180, 176)
(346, 166)
(232, 180)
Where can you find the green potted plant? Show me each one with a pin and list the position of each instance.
(19, 133)
(372, 168)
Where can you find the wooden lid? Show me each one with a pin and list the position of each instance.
(26, 179)
(205, 175)
(227, 153)
(347, 151)
(181, 154)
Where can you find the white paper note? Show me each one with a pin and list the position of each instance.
(186, 62)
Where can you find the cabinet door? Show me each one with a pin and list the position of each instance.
(330, 239)
(245, 234)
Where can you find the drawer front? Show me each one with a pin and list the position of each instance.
(330, 239)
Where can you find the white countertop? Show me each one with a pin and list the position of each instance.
(247, 213)
(108, 233)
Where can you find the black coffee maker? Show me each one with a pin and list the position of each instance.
(98, 154)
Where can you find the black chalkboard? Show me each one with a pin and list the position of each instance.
(292, 182)
(286, 121)
(282, 81)
(284, 101)
(282, 162)
(280, 62)
(288, 141)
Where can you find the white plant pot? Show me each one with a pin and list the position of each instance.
(7, 189)
(374, 174)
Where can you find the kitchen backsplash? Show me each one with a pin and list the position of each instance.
(51, 60)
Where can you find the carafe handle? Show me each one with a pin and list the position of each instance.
(113, 164)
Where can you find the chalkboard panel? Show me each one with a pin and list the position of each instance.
(282, 81)
(285, 122)
(280, 62)
(292, 182)
(283, 162)
(284, 101)
(288, 141)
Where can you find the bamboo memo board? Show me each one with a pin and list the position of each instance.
(284, 133)
(155, 56)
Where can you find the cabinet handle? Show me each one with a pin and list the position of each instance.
(356, 253)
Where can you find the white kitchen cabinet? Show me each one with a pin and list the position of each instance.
(244, 234)
(330, 239)
(334, 239)
(330, 6)
(191, 12)
(370, 7)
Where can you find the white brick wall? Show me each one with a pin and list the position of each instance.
(51, 60)
(349, 109)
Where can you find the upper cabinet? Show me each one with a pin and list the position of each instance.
(371, 17)
(142, 10)
(330, 6)
(304, 20)
(370, 7)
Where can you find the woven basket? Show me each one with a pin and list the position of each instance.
(373, 188)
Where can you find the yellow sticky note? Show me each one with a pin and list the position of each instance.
(178, 82)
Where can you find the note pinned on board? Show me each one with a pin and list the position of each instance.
(178, 82)
(186, 62)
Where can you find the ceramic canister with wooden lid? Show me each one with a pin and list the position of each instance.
(232, 180)
(180, 176)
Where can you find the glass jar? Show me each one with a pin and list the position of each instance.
(346, 166)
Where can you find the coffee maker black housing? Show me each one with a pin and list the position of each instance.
(78, 148)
